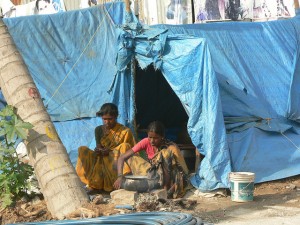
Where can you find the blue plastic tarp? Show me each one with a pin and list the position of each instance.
(70, 56)
(195, 83)
(257, 68)
(237, 81)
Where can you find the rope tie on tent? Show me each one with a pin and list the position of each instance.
(268, 120)
(289, 140)
(158, 55)
(127, 47)
(77, 60)
(126, 50)
(125, 54)
(128, 17)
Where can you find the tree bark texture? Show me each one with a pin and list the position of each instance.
(59, 183)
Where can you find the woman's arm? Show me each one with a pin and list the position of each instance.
(138, 147)
(98, 134)
(100, 150)
(120, 166)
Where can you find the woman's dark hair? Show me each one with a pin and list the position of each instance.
(157, 127)
(108, 108)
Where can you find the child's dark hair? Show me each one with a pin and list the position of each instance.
(108, 109)
(157, 127)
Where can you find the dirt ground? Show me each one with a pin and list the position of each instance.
(276, 199)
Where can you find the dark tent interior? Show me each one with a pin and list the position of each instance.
(155, 100)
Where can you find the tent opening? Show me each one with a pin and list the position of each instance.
(155, 100)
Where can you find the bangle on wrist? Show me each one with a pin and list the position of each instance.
(120, 175)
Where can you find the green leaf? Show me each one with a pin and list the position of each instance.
(22, 128)
(24, 125)
(10, 151)
(20, 132)
(11, 134)
(7, 111)
(13, 174)
(2, 132)
(6, 199)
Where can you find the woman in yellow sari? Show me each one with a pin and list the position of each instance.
(165, 164)
(97, 169)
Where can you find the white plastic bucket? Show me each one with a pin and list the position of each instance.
(241, 186)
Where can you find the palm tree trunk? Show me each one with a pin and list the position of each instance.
(59, 183)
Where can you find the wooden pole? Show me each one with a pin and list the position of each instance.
(127, 3)
(296, 3)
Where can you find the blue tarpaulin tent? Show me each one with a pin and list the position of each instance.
(238, 83)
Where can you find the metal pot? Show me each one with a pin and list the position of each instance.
(136, 183)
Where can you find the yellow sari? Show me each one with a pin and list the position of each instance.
(97, 171)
